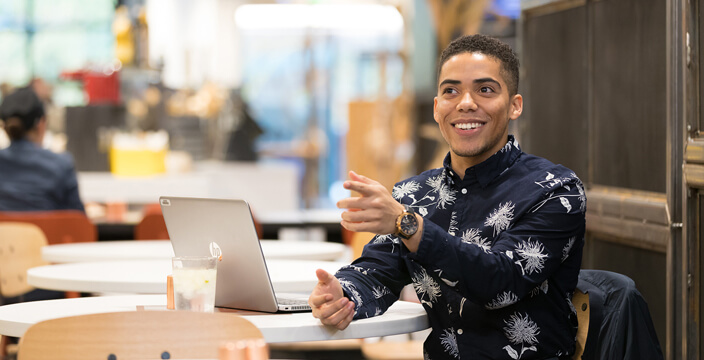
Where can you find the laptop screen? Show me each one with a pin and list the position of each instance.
(201, 226)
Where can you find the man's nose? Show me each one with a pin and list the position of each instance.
(466, 102)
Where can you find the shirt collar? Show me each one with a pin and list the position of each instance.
(490, 168)
(22, 144)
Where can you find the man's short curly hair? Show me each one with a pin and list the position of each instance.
(488, 46)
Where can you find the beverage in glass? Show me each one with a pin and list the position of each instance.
(194, 282)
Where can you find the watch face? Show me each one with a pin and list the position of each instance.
(409, 225)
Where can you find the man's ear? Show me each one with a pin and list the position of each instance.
(516, 107)
(435, 107)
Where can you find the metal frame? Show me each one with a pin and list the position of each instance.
(684, 112)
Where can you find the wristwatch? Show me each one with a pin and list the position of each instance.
(406, 223)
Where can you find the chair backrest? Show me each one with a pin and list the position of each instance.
(59, 226)
(356, 240)
(580, 301)
(165, 334)
(620, 326)
(20, 249)
(151, 227)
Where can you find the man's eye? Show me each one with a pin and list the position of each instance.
(449, 91)
(486, 89)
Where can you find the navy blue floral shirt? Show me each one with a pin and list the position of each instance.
(497, 264)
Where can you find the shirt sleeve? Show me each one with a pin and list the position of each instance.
(375, 280)
(521, 257)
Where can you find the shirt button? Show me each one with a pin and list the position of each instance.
(464, 191)
(459, 331)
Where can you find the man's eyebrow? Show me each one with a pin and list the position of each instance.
(449, 81)
(484, 80)
(476, 81)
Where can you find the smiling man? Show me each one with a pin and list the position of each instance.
(491, 242)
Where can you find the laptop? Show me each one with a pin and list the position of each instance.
(212, 227)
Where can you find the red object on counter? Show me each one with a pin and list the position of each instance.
(101, 88)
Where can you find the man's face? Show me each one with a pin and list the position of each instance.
(473, 107)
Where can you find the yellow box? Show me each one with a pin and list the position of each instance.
(137, 162)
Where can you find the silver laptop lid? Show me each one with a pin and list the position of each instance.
(199, 226)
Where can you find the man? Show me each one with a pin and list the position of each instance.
(492, 241)
(33, 178)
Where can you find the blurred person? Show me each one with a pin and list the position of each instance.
(33, 178)
(491, 241)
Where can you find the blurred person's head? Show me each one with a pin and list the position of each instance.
(42, 88)
(23, 114)
(5, 89)
(488, 46)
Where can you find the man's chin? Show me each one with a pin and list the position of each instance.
(468, 152)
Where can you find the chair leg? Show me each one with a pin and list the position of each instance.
(8, 348)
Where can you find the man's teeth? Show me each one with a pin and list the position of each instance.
(467, 126)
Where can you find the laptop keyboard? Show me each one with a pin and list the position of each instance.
(292, 301)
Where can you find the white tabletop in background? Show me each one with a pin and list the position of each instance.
(161, 249)
(402, 317)
(301, 217)
(149, 276)
(252, 181)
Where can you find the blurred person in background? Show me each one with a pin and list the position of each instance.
(33, 178)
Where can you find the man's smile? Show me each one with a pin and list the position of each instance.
(468, 125)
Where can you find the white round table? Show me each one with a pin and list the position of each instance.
(402, 317)
(161, 249)
(149, 276)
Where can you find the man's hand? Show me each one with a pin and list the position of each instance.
(329, 303)
(375, 211)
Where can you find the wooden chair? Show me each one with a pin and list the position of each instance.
(151, 227)
(357, 241)
(134, 335)
(20, 249)
(59, 226)
(580, 301)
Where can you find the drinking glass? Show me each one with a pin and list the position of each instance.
(194, 282)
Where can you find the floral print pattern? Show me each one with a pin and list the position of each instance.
(473, 236)
(532, 255)
(484, 251)
(449, 342)
(520, 330)
(504, 299)
(426, 287)
(501, 218)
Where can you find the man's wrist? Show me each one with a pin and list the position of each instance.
(407, 223)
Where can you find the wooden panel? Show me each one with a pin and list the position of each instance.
(541, 7)
(697, 55)
(633, 218)
(555, 89)
(629, 79)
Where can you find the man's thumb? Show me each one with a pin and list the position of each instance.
(323, 276)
